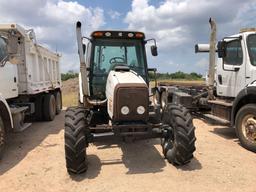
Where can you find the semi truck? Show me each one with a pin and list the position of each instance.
(30, 82)
(229, 96)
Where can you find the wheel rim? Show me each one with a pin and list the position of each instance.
(249, 127)
(1, 132)
(156, 98)
(163, 99)
(168, 142)
(53, 105)
(58, 101)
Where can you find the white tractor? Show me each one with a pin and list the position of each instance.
(115, 101)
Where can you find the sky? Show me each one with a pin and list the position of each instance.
(177, 25)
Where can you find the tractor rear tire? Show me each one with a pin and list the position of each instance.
(49, 104)
(245, 125)
(75, 140)
(58, 99)
(2, 136)
(179, 143)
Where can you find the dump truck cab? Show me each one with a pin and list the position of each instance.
(236, 67)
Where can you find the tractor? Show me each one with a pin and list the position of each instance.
(116, 100)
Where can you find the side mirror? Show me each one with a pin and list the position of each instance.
(84, 48)
(154, 50)
(221, 49)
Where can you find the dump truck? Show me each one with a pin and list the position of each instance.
(30, 82)
(229, 96)
(115, 100)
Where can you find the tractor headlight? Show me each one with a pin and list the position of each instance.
(140, 110)
(125, 110)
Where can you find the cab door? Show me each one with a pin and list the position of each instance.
(231, 69)
(251, 64)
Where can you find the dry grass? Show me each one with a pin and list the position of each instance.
(70, 89)
(70, 99)
(179, 82)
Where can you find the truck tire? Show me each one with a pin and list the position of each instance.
(38, 108)
(75, 140)
(179, 142)
(245, 126)
(49, 107)
(2, 136)
(58, 98)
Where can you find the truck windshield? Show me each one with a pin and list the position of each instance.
(109, 53)
(3, 50)
(251, 43)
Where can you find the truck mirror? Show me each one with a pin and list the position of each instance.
(154, 50)
(84, 48)
(221, 49)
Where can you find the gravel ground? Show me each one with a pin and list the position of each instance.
(34, 161)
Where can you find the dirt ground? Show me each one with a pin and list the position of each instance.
(34, 161)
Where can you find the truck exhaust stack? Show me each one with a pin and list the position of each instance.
(211, 70)
(82, 58)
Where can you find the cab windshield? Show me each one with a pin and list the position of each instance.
(251, 43)
(108, 54)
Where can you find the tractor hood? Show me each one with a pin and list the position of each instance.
(127, 88)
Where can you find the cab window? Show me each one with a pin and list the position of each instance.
(234, 53)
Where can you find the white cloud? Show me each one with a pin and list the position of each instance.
(54, 23)
(114, 14)
(179, 24)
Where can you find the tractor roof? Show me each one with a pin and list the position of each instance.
(118, 35)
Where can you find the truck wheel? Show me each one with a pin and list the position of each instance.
(75, 140)
(49, 110)
(2, 136)
(58, 99)
(164, 99)
(179, 142)
(246, 126)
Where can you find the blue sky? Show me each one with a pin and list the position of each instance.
(176, 24)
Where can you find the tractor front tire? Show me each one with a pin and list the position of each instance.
(179, 142)
(2, 136)
(75, 140)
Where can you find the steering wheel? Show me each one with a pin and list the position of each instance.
(116, 60)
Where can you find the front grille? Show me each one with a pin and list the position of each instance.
(132, 97)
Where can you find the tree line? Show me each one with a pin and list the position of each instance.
(160, 76)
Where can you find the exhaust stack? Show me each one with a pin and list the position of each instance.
(83, 69)
(211, 70)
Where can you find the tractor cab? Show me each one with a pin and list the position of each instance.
(114, 50)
